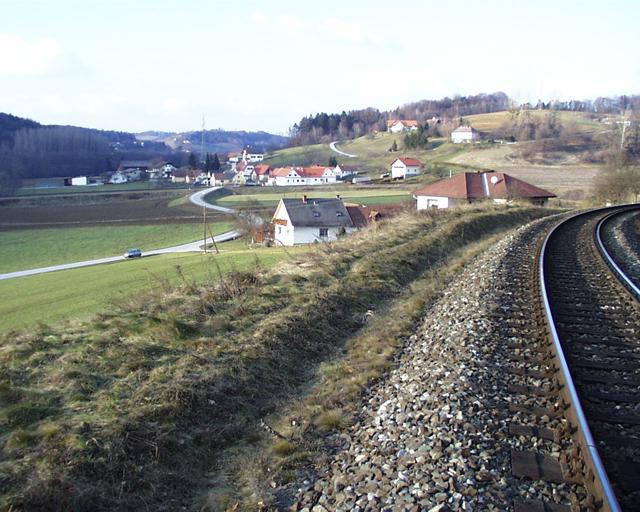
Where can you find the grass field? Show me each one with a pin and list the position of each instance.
(574, 122)
(269, 197)
(107, 188)
(80, 293)
(33, 248)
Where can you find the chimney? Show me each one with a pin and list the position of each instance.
(304, 199)
(338, 196)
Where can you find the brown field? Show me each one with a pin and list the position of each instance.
(563, 176)
(89, 210)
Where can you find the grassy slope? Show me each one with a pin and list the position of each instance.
(132, 410)
(267, 197)
(82, 292)
(25, 249)
(563, 175)
(136, 185)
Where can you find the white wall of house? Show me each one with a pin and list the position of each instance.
(290, 235)
(294, 179)
(400, 170)
(118, 178)
(80, 180)
(460, 137)
(426, 202)
(397, 128)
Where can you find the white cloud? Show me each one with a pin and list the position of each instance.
(259, 18)
(54, 104)
(19, 57)
(291, 23)
(174, 105)
(350, 31)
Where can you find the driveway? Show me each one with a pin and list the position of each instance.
(196, 199)
(334, 148)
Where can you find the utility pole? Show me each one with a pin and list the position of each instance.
(204, 225)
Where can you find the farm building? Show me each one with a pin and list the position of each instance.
(401, 125)
(261, 173)
(295, 176)
(468, 187)
(405, 167)
(464, 134)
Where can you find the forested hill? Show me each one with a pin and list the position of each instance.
(31, 150)
(217, 141)
(10, 124)
(323, 127)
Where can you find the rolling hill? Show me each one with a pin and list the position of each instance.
(568, 170)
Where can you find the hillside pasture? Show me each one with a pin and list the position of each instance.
(245, 198)
(79, 293)
(573, 122)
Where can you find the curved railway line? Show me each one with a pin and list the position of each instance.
(594, 325)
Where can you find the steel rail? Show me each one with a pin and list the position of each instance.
(601, 483)
(626, 281)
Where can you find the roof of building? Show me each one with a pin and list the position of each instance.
(317, 212)
(262, 169)
(409, 161)
(363, 215)
(465, 129)
(472, 185)
(315, 171)
(407, 122)
(183, 173)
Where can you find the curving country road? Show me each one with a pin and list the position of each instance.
(334, 148)
(197, 199)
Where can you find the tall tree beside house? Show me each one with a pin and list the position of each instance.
(215, 163)
(207, 162)
(333, 161)
(193, 163)
(416, 139)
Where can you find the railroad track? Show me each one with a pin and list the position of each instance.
(594, 324)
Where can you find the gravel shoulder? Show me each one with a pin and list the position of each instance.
(435, 433)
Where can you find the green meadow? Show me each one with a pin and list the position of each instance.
(34, 248)
(80, 293)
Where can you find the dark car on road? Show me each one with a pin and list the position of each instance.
(133, 253)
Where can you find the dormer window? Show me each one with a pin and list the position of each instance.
(316, 214)
(339, 214)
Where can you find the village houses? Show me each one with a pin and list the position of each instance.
(295, 176)
(468, 187)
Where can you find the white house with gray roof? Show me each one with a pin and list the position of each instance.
(306, 220)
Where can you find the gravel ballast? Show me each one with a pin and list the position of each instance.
(434, 434)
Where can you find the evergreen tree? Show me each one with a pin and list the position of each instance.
(333, 161)
(192, 161)
(215, 163)
(208, 163)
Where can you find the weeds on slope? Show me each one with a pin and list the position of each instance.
(134, 409)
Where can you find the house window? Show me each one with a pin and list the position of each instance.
(323, 232)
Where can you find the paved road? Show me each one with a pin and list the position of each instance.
(190, 247)
(198, 200)
(334, 148)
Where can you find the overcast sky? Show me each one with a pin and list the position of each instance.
(139, 65)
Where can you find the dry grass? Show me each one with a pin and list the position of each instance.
(138, 407)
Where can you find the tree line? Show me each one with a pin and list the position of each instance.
(324, 127)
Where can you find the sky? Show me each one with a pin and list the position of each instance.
(138, 65)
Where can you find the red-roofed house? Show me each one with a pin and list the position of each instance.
(405, 167)
(401, 125)
(293, 176)
(468, 187)
(261, 173)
